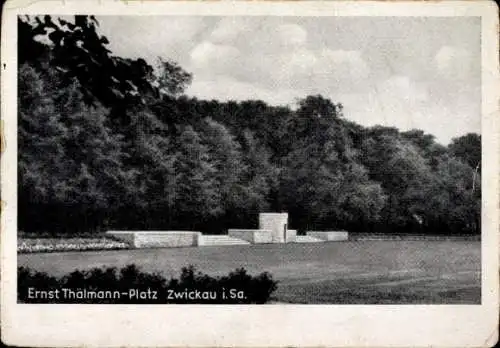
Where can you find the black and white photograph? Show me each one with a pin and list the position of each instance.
(249, 159)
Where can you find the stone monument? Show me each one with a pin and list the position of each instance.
(277, 223)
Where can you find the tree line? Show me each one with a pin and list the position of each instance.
(106, 142)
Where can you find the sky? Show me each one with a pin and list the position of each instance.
(413, 72)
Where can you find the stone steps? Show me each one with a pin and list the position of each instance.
(206, 240)
(308, 239)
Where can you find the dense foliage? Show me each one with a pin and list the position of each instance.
(108, 142)
(131, 285)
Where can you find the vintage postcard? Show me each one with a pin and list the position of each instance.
(250, 174)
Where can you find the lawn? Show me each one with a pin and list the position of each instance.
(389, 272)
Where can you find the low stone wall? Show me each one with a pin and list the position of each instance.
(291, 236)
(252, 236)
(329, 235)
(158, 239)
(124, 236)
(358, 236)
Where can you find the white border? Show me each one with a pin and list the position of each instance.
(265, 325)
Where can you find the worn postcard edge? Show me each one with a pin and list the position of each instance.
(264, 325)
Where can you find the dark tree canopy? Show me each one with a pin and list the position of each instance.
(109, 142)
(79, 52)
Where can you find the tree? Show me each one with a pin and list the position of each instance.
(322, 184)
(226, 159)
(78, 51)
(80, 173)
(403, 172)
(430, 150)
(260, 177)
(451, 204)
(313, 116)
(29, 50)
(197, 196)
(171, 78)
(40, 132)
(151, 158)
(467, 148)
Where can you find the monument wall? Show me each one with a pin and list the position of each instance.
(291, 236)
(252, 236)
(158, 239)
(277, 223)
(329, 235)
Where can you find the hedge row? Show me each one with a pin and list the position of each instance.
(129, 285)
(28, 245)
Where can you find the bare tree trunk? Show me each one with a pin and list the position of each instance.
(474, 178)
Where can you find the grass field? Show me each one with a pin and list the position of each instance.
(362, 272)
